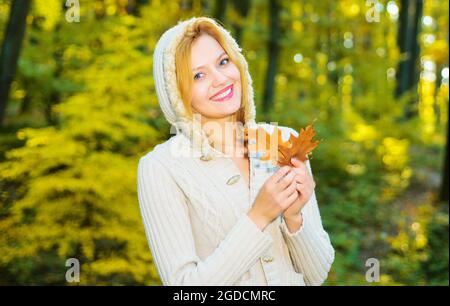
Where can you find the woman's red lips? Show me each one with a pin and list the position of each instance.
(222, 91)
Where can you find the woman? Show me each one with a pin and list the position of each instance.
(212, 215)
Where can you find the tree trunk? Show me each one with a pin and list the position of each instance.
(26, 102)
(242, 8)
(15, 31)
(273, 47)
(220, 8)
(186, 5)
(409, 27)
(443, 196)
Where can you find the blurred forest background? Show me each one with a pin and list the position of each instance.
(78, 109)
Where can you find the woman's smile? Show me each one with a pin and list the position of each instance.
(224, 96)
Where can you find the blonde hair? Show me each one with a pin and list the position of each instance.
(205, 25)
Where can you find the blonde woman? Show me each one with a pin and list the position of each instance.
(213, 213)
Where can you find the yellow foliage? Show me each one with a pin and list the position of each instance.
(50, 11)
(394, 153)
(366, 134)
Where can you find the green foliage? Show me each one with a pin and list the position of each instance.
(74, 183)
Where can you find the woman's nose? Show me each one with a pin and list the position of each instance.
(218, 78)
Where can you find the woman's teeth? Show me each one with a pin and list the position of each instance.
(223, 95)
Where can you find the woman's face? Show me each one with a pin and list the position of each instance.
(213, 76)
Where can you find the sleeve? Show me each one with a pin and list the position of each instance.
(168, 229)
(310, 247)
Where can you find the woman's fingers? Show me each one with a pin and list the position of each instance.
(301, 172)
(292, 188)
(296, 162)
(285, 181)
(302, 178)
(279, 174)
(300, 188)
(291, 199)
(299, 164)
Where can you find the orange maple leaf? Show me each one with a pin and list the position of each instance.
(272, 146)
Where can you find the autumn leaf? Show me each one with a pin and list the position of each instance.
(269, 144)
(298, 147)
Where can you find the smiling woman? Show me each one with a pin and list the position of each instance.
(211, 217)
(215, 80)
(206, 66)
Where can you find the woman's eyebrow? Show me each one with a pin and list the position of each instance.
(196, 68)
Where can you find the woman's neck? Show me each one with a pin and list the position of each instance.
(226, 135)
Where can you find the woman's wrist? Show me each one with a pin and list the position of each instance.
(293, 222)
(293, 217)
(258, 219)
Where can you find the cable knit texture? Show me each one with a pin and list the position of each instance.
(194, 200)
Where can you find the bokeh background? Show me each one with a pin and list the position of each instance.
(78, 108)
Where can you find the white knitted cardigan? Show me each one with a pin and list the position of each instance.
(160, 196)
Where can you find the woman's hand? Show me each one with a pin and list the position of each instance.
(305, 187)
(276, 194)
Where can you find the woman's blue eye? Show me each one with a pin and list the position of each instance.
(227, 59)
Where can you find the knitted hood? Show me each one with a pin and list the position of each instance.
(169, 95)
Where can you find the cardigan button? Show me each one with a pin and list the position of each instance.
(267, 258)
(205, 157)
(232, 180)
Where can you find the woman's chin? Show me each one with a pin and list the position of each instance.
(230, 105)
(223, 113)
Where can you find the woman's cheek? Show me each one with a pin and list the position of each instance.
(204, 94)
(200, 95)
(234, 73)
